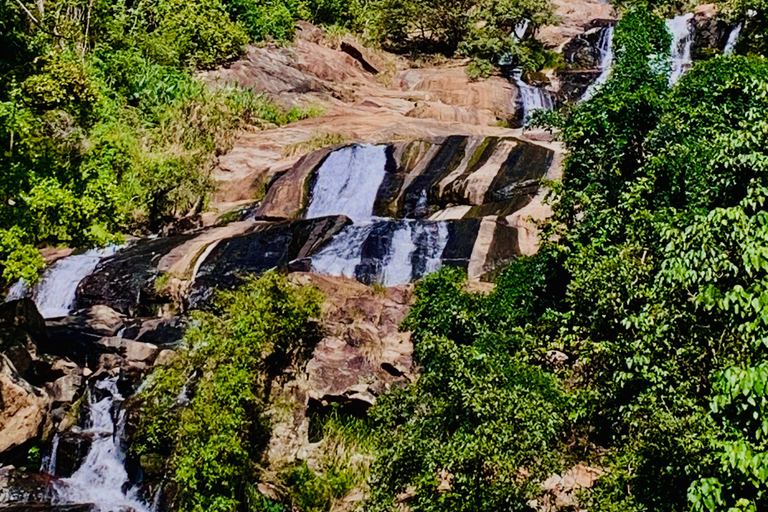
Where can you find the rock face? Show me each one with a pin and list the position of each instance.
(124, 281)
(362, 355)
(269, 245)
(24, 407)
(492, 175)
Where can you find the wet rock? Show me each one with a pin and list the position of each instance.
(24, 407)
(288, 196)
(710, 35)
(271, 245)
(23, 314)
(125, 281)
(100, 320)
(20, 491)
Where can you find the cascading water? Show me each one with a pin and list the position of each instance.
(55, 293)
(733, 38)
(682, 43)
(348, 181)
(605, 46)
(102, 480)
(532, 98)
(404, 250)
(521, 28)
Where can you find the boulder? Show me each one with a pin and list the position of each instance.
(133, 351)
(100, 319)
(24, 407)
(23, 314)
(164, 332)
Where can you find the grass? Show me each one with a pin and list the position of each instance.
(318, 141)
(340, 464)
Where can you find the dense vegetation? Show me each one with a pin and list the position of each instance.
(654, 287)
(205, 419)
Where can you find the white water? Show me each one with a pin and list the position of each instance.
(54, 294)
(102, 479)
(344, 253)
(532, 98)
(682, 43)
(49, 461)
(348, 181)
(733, 38)
(605, 46)
(521, 28)
(415, 250)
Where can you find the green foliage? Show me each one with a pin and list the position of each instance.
(205, 414)
(103, 129)
(479, 412)
(660, 218)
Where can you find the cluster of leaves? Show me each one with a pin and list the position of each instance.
(660, 212)
(103, 128)
(203, 419)
(653, 280)
(483, 423)
(483, 30)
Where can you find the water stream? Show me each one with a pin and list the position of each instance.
(348, 181)
(385, 251)
(102, 479)
(733, 38)
(682, 43)
(55, 293)
(532, 98)
(605, 46)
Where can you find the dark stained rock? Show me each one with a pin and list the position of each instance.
(710, 36)
(270, 245)
(23, 314)
(163, 332)
(125, 281)
(100, 320)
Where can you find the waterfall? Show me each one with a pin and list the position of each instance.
(49, 461)
(521, 28)
(102, 479)
(54, 294)
(733, 38)
(348, 181)
(532, 98)
(605, 46)
(401, 251)
(682, 43)
(345, 252)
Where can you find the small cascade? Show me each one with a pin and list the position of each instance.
(388, 252)
(49, 461)
(532, 98)
(521, 28)
(733, 38)
(348, 181)
(682, 43)
(101, 479)
(55, 293)
(605, 47)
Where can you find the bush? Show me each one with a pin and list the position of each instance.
(205, 414)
